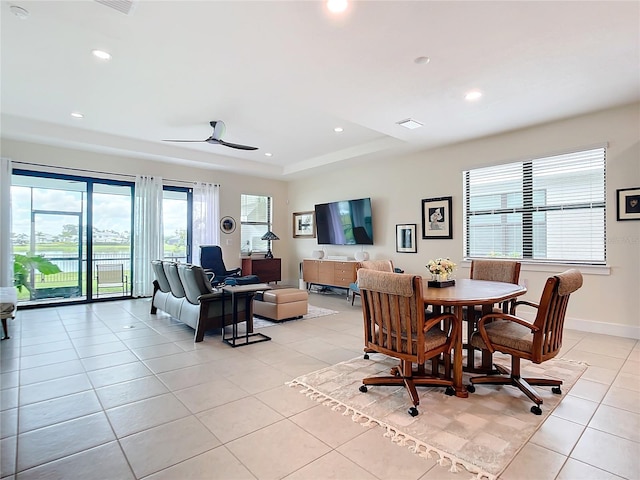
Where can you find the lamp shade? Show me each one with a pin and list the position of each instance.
(270, 236)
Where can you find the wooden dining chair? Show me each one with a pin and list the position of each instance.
(395, 325)
(538, 341)
(507, 271)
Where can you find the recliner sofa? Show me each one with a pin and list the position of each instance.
(184, 292)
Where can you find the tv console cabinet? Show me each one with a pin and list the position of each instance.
(331, 273)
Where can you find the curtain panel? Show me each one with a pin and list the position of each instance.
(206, 216)
(6, 250)
(148, 238)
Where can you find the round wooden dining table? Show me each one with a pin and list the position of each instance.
(467, 293)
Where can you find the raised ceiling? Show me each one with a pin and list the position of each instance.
(283, 74)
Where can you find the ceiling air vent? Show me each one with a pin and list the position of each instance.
(123, 6)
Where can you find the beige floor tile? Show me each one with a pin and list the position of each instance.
(534, 463)
(171, 362)
(166, 445)
(8, 448)
(9, 398)
(331, 427)
(631, 367)
(300, 365)
(151, 412)
(154, 351)
(118, 374)
(131, 391)
(146, 340)
(108, 360)
(38, 392)
(85, 351)
(385, 459)
(575, 470)
(209, 395)
(596, 359)
(331, 466)
(608, 452)
(623, 398)
(259, 379)
(106, 462)
(8, 423)
(51, 443)
(627, 381)
(60, 409)
(216, 463)
(558, 435)
(258, 450)
(600, 375)
(189, 376)
(609, 348)
(574, 409)
(589, 390)
(46, 348)
(615, 421)
(236, 419)
(286, 401)
(50, 358)
(51, 372)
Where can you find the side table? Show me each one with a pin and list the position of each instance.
(239, 292)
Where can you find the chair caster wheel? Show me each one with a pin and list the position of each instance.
(413, 411)
(471, 388)
(536, 410)
(556, 390)
(366, 356)
(450, 391)
(363, 388)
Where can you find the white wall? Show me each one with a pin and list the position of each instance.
(232, 185)
(607, 303)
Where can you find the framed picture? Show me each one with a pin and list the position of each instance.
(628, 201)
(228, 224)
(436, 218)
(406, 238)
(304, 225)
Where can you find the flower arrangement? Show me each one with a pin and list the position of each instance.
(441, 266)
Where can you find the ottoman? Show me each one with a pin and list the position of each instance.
(281, 304)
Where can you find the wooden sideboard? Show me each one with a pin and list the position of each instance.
(334, 273)
(267, 269)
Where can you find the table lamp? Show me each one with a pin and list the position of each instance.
(268, 237)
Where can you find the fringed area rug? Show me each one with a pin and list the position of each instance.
(481, 433)
(312, 312)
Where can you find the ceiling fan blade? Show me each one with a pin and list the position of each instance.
(235, 145)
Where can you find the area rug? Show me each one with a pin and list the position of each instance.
(312, 312)
(481, 433)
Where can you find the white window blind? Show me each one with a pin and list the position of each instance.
(549, 209)
(255, 221)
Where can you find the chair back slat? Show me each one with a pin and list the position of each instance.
(552, 310)
(393, 311)
(507, 271)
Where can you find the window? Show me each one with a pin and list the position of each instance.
(176, 215)
(255, 221)
(549, 209)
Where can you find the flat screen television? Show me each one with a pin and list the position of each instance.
(344, 223)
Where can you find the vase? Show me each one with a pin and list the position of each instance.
(440, 277)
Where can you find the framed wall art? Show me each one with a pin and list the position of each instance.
(304, 225)
(227, 224)
(628, 202)
(406, 238)
(436, 218)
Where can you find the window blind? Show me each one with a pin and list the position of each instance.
(255, 221)
(548, 209)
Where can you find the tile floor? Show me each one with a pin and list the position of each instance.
(108, 391)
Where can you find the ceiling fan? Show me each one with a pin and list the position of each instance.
(216, 138)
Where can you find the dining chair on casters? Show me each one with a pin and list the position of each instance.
(538, 341)
(379, 265)
(494, 270)
(395, 325)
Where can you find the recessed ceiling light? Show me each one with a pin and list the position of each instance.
(338, 129)
(422, 60)
(268, 154)
(337, 6)
(77, 115)
(410, 124)
(19, 12)
(473, 95)
(101, 54)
